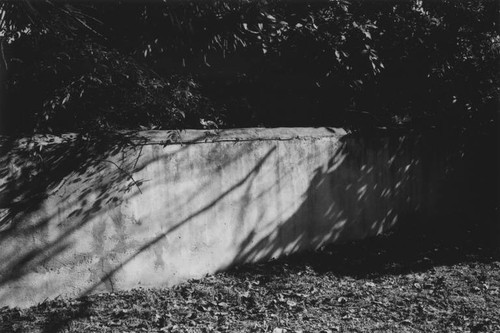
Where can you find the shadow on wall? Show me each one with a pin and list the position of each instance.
(366, 187)
(352, 196)
(32, 171)
(445, 184)
(109, 274)
(43, 205)
(40, 182)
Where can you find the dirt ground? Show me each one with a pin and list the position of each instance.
(394, 283)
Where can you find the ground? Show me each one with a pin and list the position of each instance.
(401, 282)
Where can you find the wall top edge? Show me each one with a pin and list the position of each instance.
(192, 136)
(239, 134)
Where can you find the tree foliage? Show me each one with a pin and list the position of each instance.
(178, 64)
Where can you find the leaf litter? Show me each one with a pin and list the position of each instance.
(363, 286)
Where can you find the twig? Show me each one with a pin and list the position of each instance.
(125, 172)
(2, 53)
(138, 156)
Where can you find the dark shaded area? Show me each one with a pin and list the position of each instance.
(400, 251)
(467, 229)
(194, 64)
(449, 190)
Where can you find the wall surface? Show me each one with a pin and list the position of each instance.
(155, 208)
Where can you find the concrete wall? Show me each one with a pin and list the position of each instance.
(156, 208)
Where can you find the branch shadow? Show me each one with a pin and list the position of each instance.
(205, 208)
(352, 195)
(107, 168)
(422, 207)
(44, 175)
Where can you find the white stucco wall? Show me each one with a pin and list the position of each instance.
(154, 213)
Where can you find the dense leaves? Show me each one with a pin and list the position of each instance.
(199, 64)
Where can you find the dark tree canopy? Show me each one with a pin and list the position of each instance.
(75, 66)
